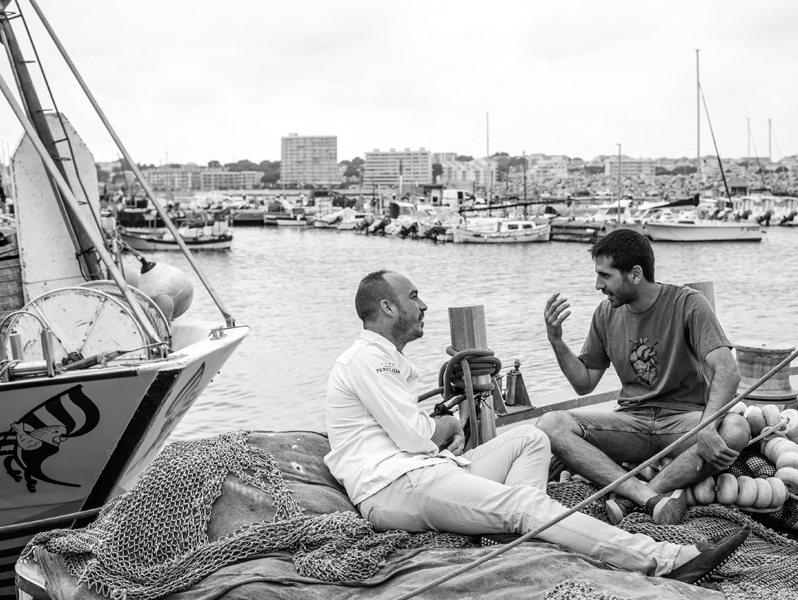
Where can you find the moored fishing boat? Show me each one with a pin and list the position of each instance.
(94, 374)
(503, 231)
(214, 236)
(693, 229)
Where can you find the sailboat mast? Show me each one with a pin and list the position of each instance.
(487, 149)
(698, 119)
(747, 152)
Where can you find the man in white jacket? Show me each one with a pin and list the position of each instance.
(406, 470)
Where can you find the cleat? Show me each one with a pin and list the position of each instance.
(713, 555)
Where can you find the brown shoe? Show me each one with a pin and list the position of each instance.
(713, 555)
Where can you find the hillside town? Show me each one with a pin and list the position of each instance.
(311, 162)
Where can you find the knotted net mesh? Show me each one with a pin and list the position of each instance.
(153, 540)
(765, 567)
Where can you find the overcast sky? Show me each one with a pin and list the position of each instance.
(194, 81)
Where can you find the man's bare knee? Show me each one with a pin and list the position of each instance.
(558, 423)
(735, 431)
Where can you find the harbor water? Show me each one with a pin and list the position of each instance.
(295, 287)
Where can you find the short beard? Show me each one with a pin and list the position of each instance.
(404, 329)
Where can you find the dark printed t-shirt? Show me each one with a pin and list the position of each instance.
(657, 353)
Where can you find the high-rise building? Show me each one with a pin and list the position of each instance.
(217, 179)
(629, 167)
(181, 178)
(309, 159)
(385, 168)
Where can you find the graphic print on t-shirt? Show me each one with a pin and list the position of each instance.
(642, 361)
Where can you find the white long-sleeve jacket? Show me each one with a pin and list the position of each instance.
(377, 431)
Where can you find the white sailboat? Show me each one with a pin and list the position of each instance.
(693, 228)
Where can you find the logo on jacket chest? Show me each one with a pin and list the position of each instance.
(387, 367)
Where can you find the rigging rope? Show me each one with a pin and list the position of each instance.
(712, 132)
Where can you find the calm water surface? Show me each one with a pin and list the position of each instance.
(295, 289)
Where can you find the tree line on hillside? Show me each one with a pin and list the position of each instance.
(271, 169)
(353, 169)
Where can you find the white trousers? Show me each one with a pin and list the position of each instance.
(503, 490)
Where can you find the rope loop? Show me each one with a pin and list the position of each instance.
(455, 374)
(455, 377)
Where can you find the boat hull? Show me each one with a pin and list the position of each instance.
(73, 441)
(247, 217)
(706, 232)
(152, 241)
(521, 236)
(572, 230)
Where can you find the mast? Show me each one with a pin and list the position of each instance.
(747, 153)
(619, 182)
(487, 149)
(524, 167)
(85, 249)
(770, 156)
(698, 120)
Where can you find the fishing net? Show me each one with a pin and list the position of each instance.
(578, 590)
(764, 568)
(154, 540)
(163, 535)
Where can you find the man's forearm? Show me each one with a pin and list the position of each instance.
(573, 368)
(722, 388)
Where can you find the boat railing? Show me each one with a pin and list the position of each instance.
(543, 402)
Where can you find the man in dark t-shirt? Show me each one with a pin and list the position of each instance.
(676, 369)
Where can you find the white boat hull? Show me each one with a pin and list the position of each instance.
(156, 241)
(73, 441)
(522, 236)
(709, 231)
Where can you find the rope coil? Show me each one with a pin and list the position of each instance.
(455, 376)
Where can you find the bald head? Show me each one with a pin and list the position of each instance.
(373, 289)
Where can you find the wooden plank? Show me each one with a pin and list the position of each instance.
(467, 328)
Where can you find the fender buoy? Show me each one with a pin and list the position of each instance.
(746, 491)
(772, 414)
(764, 493)
(787, 459)
(704, 491)
(739, 408)
(779, 492)
(688, 492)
(789, 476)
(158, 279)
(791, 416)
(727, 488)
(753, 414)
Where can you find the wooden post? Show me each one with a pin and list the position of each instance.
(467, 328)
(706, 288)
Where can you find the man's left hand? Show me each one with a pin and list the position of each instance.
(456, 444)
(713, 450)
